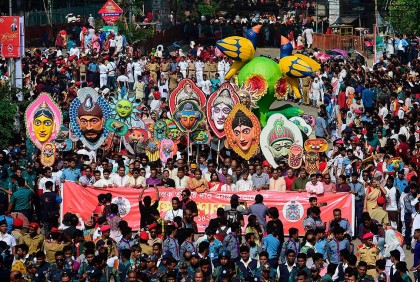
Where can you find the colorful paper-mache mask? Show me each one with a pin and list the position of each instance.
(88, 113)
(186, 90)
(277, 137)
(167, 149)
(242, 129)
(219, 105)
(48, 154)
(43, 120)
(187, 116)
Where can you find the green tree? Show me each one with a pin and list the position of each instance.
(403, 15)
(9, 110)
(208, 9)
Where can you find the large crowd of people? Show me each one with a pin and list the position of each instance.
(371, 116)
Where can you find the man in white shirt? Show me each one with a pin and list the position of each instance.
(5, 237)
(119, 178)
(383, 111)
(205, 85)
(103, 74)
(176, 210)
(391, 201)
(74, 51)
(183, 66)
(123, 78)
(221, 70)
(112, 67)
(199, 65)
(136, 180)
(105, 181)
(244, 184)
(47, 177)
(181, 181)
(119, 42)
(137, 66)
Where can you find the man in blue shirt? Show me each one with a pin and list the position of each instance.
(337, 244)
(260, 179)
(400, 182)
(71, 173)
(271, 245)
(358, 190)
(367, 98)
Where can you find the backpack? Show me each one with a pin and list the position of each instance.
(232, 216)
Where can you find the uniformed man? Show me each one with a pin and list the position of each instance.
(369, 253)
(187, 245)
(164, 67)
(306, 81)
(337, 244)
(153, 68)
(145, 247)
(212, 68)
(339, 221)
(33, 239)
(224, 260)
(171, 244)
(152, 271)
(191, 68)
(232, 242)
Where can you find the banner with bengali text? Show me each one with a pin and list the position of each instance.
(292, 206)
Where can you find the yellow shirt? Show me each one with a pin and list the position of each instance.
(51, 247)
(35, 244)
(368, 254)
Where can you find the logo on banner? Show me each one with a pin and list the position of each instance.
(124, 205)
(293, 211)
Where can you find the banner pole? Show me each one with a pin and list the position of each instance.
(188, 146)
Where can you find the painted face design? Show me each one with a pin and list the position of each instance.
(91, 127)
(124, 108)
(43, 128)
(243, 136)
(188, 120)
(219, 114)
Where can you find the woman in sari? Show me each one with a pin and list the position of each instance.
(197, 183)
(215, 184)
(372, 194)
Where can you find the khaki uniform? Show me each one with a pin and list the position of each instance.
(164, 68)
(213, 69)
(146, 249)
(51, 247)
(153, 68)
(35, 243)
(82, 70)
(172, 82)
(18, 235)
(369, 255)
(191, 70)
(380, 215)
(206, 69)
(306, 81)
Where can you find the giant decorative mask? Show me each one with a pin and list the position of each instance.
(242, 131)
(88, 113)
(43, 120)
(219, 105)
(277, 137)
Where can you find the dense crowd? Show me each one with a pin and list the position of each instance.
(371, 115)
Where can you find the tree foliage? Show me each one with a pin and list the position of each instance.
(403, 15)
(134, 32)
(208, 9)
(9, 110)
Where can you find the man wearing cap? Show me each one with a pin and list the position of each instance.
(145, 247)
(5, 237)
(17, 232)
(34, 240)
(369, 253)
(378, 213)
(152, 272)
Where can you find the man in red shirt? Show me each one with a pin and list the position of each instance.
(403, 147)
(289, 179)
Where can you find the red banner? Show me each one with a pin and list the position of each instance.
(10, 37)
(292, 206)
(110, 11)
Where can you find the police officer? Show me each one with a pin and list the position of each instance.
(339, 221)
(369, 253)
(187, 245)
(171, 244)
